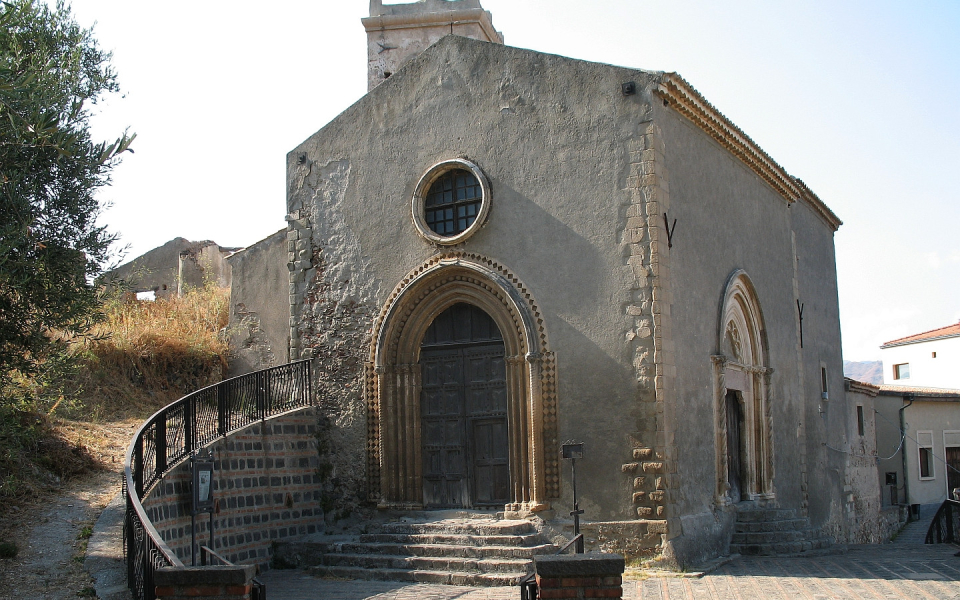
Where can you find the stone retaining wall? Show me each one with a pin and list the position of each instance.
(265, 484)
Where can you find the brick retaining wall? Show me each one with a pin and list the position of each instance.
(591, 575)
(219, 583)
(266, 484)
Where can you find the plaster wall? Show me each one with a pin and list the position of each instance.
(889, 449)
(555, 223)
(926, 414)
(729, 219)
(826, 421)
(942, 371)
(259, 299)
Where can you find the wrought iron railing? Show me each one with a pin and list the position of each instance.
(945, 527)
(174, 432)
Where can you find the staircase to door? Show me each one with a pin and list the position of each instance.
(768, 531)
(447, 547)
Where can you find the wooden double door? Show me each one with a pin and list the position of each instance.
(464, 428)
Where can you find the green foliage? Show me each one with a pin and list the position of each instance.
(51, 247)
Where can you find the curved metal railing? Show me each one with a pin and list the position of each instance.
(177, 430)
(945, 527)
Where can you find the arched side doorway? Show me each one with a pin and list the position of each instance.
(744, 442)
(395, 384)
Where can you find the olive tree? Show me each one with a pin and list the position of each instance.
(51, 246)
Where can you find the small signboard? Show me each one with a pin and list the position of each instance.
(202, 483)
(572, 450)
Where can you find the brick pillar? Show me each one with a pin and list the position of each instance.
(592, 575)
(220, 582)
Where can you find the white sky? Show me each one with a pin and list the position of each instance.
(860, 99)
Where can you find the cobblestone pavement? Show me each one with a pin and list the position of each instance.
(881, 572)
(905, 569)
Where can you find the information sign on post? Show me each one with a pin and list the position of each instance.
(202, 483)
(202, 467)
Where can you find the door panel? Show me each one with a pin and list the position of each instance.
(953, 470)
(734, 446)
(490, 457)
(442, 429)
(463, 411)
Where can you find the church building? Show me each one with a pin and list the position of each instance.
(496, 251)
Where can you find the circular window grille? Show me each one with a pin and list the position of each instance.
(451, 202)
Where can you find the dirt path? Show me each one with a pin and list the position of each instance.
(51, 531)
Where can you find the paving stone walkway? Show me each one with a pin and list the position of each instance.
(904, 569)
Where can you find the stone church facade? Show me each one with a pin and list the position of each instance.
(498, 250)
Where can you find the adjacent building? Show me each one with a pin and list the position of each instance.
(918, 443)
(928, 359)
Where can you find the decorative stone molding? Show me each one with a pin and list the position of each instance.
(299, 262)
(393, 379)
(682, 97)
(645, 247)
(741, 366)
(423, 188)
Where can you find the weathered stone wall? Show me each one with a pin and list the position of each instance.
(584, 179)
(332, 305)
(398, 32)
(204, 264)
(259, 296)
(266, 483)
(159, 270)
(727, 219)
(867, 521)
(557, 221)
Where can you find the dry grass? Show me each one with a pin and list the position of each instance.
(148, 354)
(142, 357)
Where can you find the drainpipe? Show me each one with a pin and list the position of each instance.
(903, 449)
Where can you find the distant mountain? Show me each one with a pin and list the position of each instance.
(869, 371)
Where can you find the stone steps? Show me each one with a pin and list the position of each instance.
(438, 577)
(462, 551)
(447, 539)
(427, 563)
(452, 527)
(775, 532)
(781, 525)
(437, 550)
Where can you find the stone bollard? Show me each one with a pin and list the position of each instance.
(591, 575)
(232, 582)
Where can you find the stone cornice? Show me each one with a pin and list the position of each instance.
(467, 16)
(861, 387)
(682, 97)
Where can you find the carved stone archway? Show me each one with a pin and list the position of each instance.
(741, 366)
(393, 380)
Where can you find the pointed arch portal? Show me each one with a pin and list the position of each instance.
(528, 472)
(744, 442)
